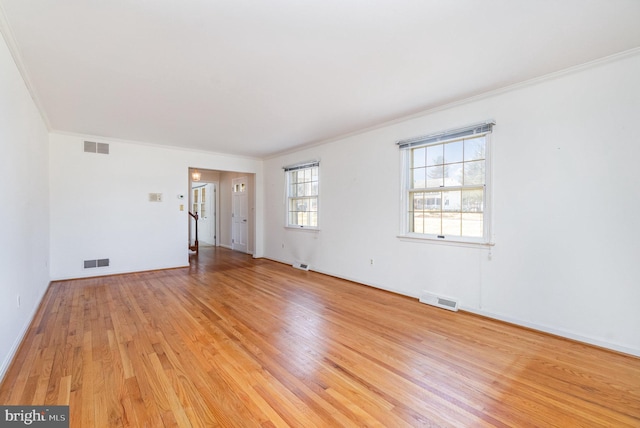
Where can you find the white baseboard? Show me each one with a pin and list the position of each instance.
(554, 331)
(18, 341)
(510, 320)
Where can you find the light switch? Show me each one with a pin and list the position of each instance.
(181, 207)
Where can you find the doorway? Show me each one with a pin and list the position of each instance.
(204, 203)
(229, 221)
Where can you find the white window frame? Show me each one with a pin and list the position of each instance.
(406, 149)
(289, 171)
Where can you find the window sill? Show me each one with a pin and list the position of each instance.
(302, 229)
(448, 241)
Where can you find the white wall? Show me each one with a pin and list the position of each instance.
(100, 207)
(566, 207)
(24, 216)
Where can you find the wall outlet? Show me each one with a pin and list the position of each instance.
(371, 262)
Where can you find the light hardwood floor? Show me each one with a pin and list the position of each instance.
(234, 341)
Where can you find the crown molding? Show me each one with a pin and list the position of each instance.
(467, 100)
(14, 50)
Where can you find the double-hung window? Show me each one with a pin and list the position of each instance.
(302, 195)
(446, 191)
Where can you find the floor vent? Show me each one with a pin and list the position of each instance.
(93, 147)
(88, 264)
(301, 266)
(439, 301)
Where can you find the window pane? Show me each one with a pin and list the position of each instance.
(433, 201)
(435, 176)
(453, 175)
(472, 225)
(435, 155)
(417, 201)
(473, 201)
(314, 173)
(417, 222)
(418, 180)
(299, 189)
(474, 149)
(474, 172)
(419, 157)
(432, 223)
(293, 218)
(453, 152)
(451, 201)
(451, 224)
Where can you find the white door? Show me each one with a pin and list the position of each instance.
(203, 197)
(239, 214)
(206, 226)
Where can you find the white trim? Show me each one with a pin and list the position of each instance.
(530, 82)
(20, 338)
(14, 50)
(303, 228)
(517, 322)
(456, 241)
(554, 331)
(159, 146)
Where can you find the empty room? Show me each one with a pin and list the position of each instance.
(319, 214)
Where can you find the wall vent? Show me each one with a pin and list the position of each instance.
(439, 301)
(88, 264)
(93, 147)
(301, 265)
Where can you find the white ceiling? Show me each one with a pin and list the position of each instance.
(256, 77)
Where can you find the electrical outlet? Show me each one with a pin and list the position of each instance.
(371, 262)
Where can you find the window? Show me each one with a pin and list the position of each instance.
(446, 193)
(302, 195)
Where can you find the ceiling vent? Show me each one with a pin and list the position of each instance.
(93, 147)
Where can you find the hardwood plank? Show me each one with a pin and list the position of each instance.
(234, 341)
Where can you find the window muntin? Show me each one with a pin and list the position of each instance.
(302, 196)
(447, 189)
